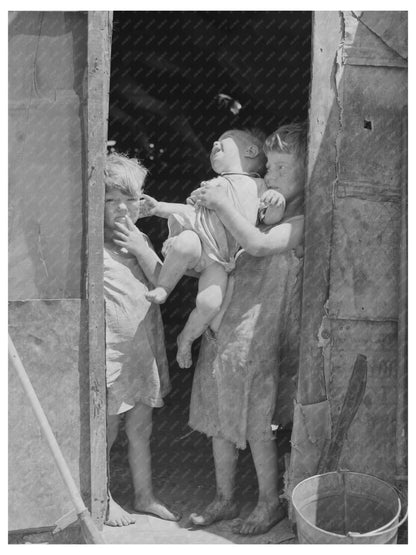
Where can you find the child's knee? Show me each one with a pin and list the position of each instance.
(187, 244)
(138, 430)
(209, 301)
(139, 423)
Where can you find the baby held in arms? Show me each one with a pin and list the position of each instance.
(199, 242)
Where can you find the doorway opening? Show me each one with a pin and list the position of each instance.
(178, 81)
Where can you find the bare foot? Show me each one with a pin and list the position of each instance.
(157, 295)
(264, 516)
(219, 509)
(184, 354)
(157, 508)
(117, 516)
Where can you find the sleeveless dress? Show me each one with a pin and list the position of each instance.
(234, 393)
(136, 363)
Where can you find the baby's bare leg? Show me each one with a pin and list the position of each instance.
(183, 255)
(211, 290)
(216, 321)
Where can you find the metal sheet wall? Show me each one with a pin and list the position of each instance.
(48, 339)
(47, 59)
(47, 63)
(355, 250)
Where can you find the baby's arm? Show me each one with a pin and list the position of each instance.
(272, 207)
(153, 207)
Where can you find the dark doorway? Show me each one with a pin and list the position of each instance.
(178, 81)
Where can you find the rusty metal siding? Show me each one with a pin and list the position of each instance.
(372, 99)
(365, 259)
(354, 206)
(48, 339)
(371, 442)
(45, 156)
(365, 249)
(55, 243)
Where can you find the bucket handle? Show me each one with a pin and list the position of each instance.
(383, 529)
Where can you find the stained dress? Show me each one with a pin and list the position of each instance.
(235, 388)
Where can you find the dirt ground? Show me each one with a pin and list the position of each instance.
(183, 477)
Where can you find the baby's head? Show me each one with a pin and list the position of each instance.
(239, 150)
(123, 179)
(286, 159)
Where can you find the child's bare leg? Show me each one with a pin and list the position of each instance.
(268, 510)
(182, 255)
(223, 507)
(116, 515)
(139, 430)
(211, 291)
(216, 321)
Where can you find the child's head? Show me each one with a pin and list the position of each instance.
(286, 159)
(123, 178)
(125, 174)
(239, 150)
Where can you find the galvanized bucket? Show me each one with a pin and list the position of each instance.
(346, 507)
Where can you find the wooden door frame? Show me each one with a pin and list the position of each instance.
(98, 81)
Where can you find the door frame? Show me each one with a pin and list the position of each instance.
(98, 84)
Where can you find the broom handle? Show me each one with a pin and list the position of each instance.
(46, 429)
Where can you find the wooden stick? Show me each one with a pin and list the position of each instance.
(352, 400)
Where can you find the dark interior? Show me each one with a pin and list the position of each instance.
(178, 81)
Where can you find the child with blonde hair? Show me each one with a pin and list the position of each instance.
(136, 364)
(198, 240)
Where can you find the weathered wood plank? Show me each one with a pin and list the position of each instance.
(324, 127)
(402, 335)
(99, 49)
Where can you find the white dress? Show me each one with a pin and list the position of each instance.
(235, 394)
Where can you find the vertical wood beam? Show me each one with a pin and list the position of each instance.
(402, 385)
(99, 51)
(324, 123)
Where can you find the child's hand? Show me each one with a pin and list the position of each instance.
(128, 236)
(271, 197)
(148, 206)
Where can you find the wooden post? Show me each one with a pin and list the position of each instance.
(99, 50)
(402, 397)
(321, 178)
